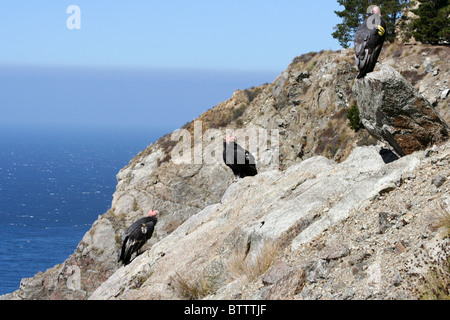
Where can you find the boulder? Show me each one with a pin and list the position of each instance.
(394, 112)
(276, 273)
(290, 282)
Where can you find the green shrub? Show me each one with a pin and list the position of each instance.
(353, 117)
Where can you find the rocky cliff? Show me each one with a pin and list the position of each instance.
(394, 112)
(325, 218)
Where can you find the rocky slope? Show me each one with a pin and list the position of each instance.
(316, 219)
(315, 185)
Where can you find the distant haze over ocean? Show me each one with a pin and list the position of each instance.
(153, 98)
(54, 183)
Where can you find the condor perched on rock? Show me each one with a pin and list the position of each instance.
(137, 235)
(239, 160)
(369, 39)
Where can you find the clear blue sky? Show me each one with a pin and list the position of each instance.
(258, 38)
(208, 34)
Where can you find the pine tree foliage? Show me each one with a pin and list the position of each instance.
(355, 11)
(433, 24)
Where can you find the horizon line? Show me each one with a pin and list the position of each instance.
(142, 69)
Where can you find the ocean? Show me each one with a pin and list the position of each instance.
(54, 183)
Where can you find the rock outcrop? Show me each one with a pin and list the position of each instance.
(286, 208)
(394, 112)
(292, 210)
(320, 205)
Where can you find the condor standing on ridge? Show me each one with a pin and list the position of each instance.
(137, 235)
(239, 160)
(369, 39)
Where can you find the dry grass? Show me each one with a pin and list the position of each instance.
(393, 49)
(193, 289)
(413, 76)
(302, 60)
(240, 264)
(435, 284)
(443, 220)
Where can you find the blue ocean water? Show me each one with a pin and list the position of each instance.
(54, 182)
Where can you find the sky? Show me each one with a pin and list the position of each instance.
(118, 61)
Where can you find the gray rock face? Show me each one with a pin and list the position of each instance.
(394, 112)
(288, 208)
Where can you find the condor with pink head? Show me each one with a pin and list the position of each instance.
(137, 235)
